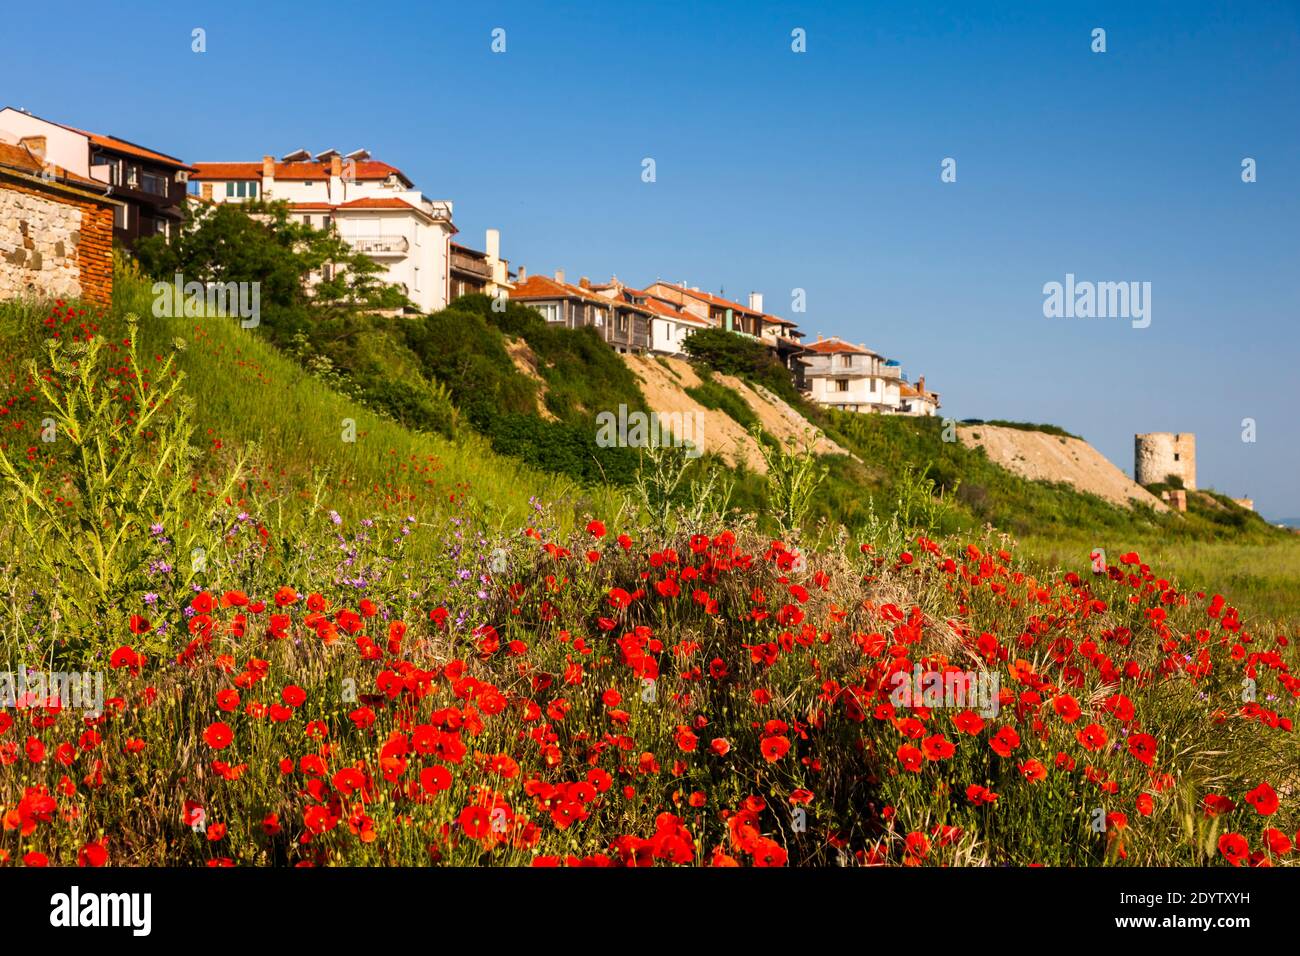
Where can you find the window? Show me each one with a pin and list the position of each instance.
(1176, 457)
(121, 217)
(550, 311)
(416, 270)
(230, 190)
(841, 385)
(252, 190)
(154, 183)
(622, 323)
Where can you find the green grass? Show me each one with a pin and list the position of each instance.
(249, 395)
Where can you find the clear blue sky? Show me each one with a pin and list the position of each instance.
(820, 171)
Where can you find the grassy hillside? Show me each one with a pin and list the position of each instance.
(439, 410)
(249, 397)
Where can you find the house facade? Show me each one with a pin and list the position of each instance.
(148, 186)
(371, 205)
(668, 326)
(624, 326)
(848, 377)
(56, 230)
(917, 400)
(483, 272)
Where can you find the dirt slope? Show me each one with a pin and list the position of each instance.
(1043, 457)
(665, 393)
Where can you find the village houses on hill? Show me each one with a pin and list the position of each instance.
(378, 210)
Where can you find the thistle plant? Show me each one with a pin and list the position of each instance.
(121, 466)
(793, 476)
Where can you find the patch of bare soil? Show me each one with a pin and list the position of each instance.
(1043, 457)
(526, 362)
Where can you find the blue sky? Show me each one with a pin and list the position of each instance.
(820, 171)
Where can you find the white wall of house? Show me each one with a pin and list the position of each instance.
(667, 335)
(63, 147)
(412, 250)
(421, 265)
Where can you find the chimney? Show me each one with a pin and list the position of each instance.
(268, 175)
(34, 145)
(522, 274)
(756, 302)
(206, 189)
(559, 275)
(819, 336)
(496, 268)
(920, 384)
(336, 165)
(585, 282)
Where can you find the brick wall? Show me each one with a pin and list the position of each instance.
(54, 242)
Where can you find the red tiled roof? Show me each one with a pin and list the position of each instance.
(712, 299)
(541, 287)
(659, 307)
(378, 202)
(122, 146)
(366, 169)
(834, 346)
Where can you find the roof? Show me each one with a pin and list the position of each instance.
(541, 287)
(366, 169)
(22, 159)
(712, 299)
(659, 307)
(131, 149)
(834, 346)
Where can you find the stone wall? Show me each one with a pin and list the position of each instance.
(54, 243)
(1158, 455)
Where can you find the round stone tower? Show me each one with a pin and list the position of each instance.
(1158, 455)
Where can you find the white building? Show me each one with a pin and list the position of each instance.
(853, 378)
(916, 400)
(370, 204)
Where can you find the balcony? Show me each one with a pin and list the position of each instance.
(378, 246)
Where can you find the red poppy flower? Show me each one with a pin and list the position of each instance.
(937, 747)
(92, 854)
(1279, 844)
(1143, 747)
(1235, 848)
(1067, 708)
(911, 757)
(720, 746)
(218, 735)
(1005, 741)
(1092, 737)
(774, 748)
(596, 528)
(969, 722)
(1033, 771)
(1264, 799)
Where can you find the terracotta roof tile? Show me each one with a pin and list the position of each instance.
(366, 169)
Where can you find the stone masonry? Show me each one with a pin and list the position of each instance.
(1157, 455)
(55, 242)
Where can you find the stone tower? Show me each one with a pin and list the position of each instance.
(1158, 455)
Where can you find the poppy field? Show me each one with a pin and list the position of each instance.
(291, 681)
